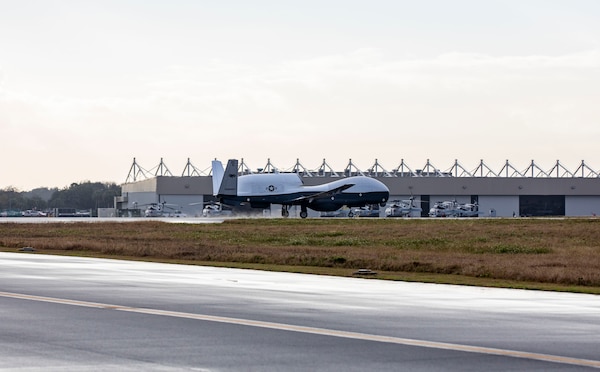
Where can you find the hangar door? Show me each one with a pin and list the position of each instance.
(541, 205)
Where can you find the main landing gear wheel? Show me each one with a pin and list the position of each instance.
(303, 211)
(284, 212)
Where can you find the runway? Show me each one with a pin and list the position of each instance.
(70, 313)
(188, 220)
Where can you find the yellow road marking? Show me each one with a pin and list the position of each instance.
(315, 330)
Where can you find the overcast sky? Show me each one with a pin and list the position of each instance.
(86, 86)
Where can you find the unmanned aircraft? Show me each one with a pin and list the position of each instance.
(287, 189)
(403, 208)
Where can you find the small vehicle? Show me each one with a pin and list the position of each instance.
(33, 213)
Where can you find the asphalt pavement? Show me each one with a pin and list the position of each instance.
(73, 314)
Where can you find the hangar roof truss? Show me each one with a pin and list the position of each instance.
(533, 170)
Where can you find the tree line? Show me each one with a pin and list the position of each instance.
(82, 196)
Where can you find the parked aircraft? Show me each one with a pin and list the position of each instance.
(162, 210)
(343, 212)
(287, 189)
(454, 209)
(469, 210)
(444, 209)
(215, 209)
(366, 211)
(403, 208)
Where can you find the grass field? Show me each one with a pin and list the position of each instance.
(552, 254)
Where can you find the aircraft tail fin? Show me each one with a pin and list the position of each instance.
(225, 181)
(217, 175)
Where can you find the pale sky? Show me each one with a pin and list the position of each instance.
(86, 86)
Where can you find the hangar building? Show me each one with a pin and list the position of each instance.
(504, 193)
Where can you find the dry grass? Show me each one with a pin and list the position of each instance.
(556, 251)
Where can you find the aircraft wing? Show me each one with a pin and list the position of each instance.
(322, 195)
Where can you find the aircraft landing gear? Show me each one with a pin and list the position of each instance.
(284, 211)
(303, 212)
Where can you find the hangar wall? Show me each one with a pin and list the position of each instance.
(190, 205)
(582, 205)
(503, 205)
(501, 194)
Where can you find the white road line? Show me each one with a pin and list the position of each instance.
(314, 330)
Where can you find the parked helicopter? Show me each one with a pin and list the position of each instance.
(287, 189)
(403, 208)
(162, 210)
(213, 209)
(366, 211)
(454, 209)
(469, 210)
(444, 209)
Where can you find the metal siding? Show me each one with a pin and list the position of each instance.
(582, 205)
(503, 205)
(182, 203)
(498, 193)
(184, 185)
(148, 185)
(139, 199)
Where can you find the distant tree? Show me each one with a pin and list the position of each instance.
(11, 199)
(86, 195)
(43, 193)
(36, 203)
